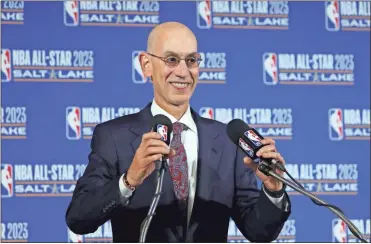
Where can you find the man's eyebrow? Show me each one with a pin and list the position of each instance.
(167, 53)
(192, 54)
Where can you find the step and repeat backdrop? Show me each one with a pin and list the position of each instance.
(298, 72)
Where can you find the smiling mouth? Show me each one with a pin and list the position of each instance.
(180, 84)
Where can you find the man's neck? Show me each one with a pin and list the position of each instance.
(176, 111)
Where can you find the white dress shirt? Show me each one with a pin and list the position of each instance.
(190, 141)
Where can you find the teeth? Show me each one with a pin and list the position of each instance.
(180, 85)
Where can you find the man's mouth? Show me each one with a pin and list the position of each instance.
(180, 84)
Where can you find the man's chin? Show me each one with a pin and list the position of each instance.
(180, 100)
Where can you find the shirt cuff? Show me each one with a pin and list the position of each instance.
(277, 201)
(125, 192)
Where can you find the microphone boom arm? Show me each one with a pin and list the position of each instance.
(267, 170)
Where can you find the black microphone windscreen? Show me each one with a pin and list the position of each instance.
(162, 125)
(160, 119)
(236, 128)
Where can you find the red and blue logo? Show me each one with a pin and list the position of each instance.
(246, 147)
(7, 186)
(6, 69)
(73, 123)
(162, 130)
(270, 70)
(253, 138)
(336, 124)
(137, 73)
(332, 15)
(207, 112)
(204, 14)
(339, 231)
(71, 13)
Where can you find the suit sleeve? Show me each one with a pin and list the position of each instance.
(97, 194)
(255, 215)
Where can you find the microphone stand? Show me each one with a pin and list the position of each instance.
(268, 171)
(147, 221)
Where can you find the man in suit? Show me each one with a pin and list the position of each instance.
(209, 179)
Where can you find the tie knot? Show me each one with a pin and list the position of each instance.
(178, 128)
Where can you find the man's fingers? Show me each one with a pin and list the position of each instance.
(172, 153)
(269, 148)
(267, 141)
(281, 159)
(250, 163)
(155, 142)
(274, 155)
(156, 150)
(150, 135)
(150, 159)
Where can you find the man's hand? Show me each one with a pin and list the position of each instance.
(150, 149)
(267, 151)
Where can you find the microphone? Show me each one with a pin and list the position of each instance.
(163, 126)
(249, 140)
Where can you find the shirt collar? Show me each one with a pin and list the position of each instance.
(186, 119)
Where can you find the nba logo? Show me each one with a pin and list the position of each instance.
(332, 15)
(339, 231)
(71, 13)
(6, 180)
(253, 138)
(6, 70)
(207, 112)
(137, 74)
(336, 126)
(73, 123)
(162, 130)
(204, 14)
(72, 237)
(246, 147)
(270, 70)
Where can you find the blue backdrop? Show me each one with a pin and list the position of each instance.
(296, 71)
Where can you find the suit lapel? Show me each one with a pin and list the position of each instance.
(209, 156)
(141, 126)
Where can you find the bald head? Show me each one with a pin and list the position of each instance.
(167, 30)
(172, 63)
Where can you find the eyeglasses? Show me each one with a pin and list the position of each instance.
(173, 61)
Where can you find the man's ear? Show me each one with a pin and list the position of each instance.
(145, 64)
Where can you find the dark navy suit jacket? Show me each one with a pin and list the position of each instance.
(225, 188)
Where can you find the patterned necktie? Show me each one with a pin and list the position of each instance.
(178, 167)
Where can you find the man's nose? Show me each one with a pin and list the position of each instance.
(182, 69)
